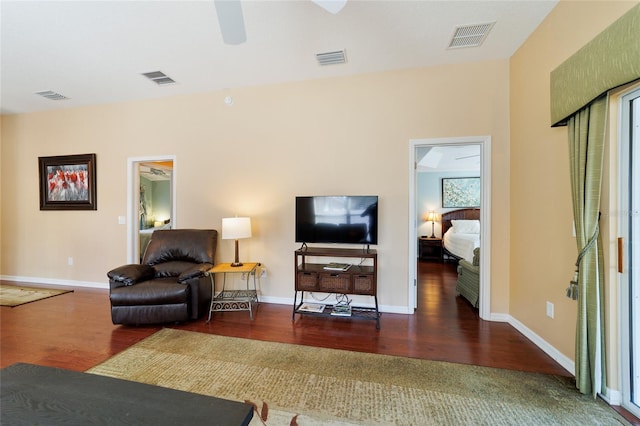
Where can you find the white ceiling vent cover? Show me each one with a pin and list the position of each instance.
(470, 35)
(158, 77)
(50, 94)
(332, 58)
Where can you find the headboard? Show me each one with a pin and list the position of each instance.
(462, 214)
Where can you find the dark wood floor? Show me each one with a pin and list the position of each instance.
(74, 330)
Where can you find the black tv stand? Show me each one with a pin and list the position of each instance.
(358, 279)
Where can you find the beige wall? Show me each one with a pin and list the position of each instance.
(335, 136)
(543, 249)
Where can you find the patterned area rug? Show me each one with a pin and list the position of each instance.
(292, 384)
(13, 296)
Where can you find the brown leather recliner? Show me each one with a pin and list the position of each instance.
(170, 284)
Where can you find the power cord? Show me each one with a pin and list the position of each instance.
(342, 300)
(317, 299)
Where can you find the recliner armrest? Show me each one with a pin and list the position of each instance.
(194, 272)
(131, 274)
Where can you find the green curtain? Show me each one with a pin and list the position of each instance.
(586, 146)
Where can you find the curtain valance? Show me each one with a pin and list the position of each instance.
(608, 61)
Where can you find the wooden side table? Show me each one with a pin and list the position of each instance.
(233, 300)
(430, 249)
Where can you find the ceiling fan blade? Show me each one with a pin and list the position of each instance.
(468, 156)
(331, 6)
(231, 21)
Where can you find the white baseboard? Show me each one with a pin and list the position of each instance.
(500, 317)
(55, 281)
(559, 357)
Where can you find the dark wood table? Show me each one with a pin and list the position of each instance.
(32, 394)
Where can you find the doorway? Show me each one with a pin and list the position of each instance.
(629, 169)
(419, 146)
(151, 201)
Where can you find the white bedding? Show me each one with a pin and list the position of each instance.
(461, 244)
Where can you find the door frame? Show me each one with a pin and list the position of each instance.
(624, 278)
(133, 201)
(485, 216)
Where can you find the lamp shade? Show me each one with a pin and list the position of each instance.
(235, 228)
(431, 217)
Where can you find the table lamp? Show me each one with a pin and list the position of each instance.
(234, 228)
(432, 218)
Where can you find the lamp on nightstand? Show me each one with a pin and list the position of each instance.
(234, 228)
(432, 218)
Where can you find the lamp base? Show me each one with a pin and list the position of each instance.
(236, 262)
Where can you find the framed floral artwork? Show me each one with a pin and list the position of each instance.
(68, 182)
(460, 192)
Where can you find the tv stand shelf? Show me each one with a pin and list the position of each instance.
(358, 279)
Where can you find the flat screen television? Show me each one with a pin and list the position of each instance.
(351, 219)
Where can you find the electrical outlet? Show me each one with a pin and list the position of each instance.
(550, 309)
(70, 261)
(263, 273)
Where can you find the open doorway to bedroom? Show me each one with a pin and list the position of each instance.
(449, 206)
(151, 201)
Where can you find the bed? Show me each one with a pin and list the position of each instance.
(461, 233)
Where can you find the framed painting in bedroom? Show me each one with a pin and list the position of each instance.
(68, 182)
(460, 192)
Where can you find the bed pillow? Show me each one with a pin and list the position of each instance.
(466, 226)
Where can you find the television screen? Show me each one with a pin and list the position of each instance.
(337, 219)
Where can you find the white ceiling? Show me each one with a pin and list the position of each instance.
(458, 158)
(93, 52)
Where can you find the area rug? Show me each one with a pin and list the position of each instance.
(300, 385)
(11, 295)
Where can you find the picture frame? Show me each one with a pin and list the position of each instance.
(68, 182)
(461, 192)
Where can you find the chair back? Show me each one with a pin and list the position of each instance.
(185, 245)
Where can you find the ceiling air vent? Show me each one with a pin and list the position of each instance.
(50, 94)
(470, 35)
(158, 77)
(332, 58)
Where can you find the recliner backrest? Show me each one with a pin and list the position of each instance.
(184, 245)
